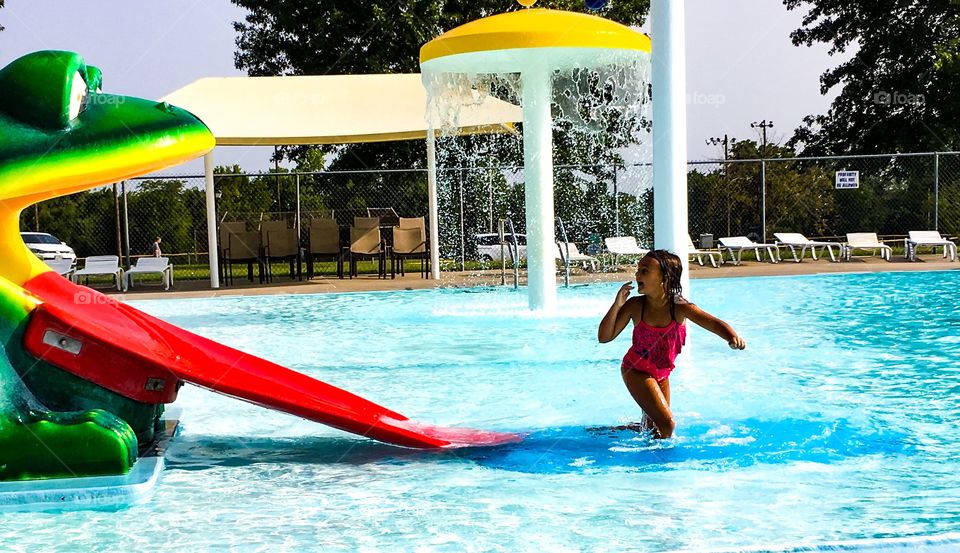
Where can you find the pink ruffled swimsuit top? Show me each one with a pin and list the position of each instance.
(655, 348)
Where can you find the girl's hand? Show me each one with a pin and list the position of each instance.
(624, 293)
(737, 342)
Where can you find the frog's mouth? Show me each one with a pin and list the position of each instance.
(60, 134)
(120, 138)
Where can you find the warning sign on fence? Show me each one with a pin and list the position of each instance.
(847, 179)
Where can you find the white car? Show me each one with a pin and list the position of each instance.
(489, 249)
(47, 246)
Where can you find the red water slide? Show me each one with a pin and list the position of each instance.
(141, 357)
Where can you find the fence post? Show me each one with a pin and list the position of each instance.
(936, 190)
(116, 217)
(296, 225)
(463, 253)
(126, 221)
(616, 204)
(490, 198)
(763, 201)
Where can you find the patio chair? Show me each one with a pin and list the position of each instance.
(736, 244)
(932, 239)
(795, 240)
(101, 265)
(366, 222)
(408, 243)
(694, 252)
(63, 267)
(414, 222)
(575, 256)
(365, 243)
(280, 243)
(151, 265)
(865, 241)
(244, 247)
(323, 244)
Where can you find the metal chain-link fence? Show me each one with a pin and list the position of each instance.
(756, 198)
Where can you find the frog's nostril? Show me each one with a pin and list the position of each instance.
(163, 106)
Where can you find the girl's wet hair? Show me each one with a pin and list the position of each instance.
(671, 269)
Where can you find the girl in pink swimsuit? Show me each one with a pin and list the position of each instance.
(659, 332)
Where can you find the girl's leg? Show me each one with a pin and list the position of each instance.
(650, 396)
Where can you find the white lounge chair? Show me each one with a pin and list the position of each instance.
(865, 241)
(62, 267)
(101, 265)
(932, 239)
(624, 245)
(575, 255)
(794, 240)
(693, 251)
(736, 245)
(152, 265)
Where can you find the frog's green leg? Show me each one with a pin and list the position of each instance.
(90, 443)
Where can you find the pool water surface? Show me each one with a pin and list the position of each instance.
(838, 422)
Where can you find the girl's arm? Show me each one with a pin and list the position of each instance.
(714, 325)
(617, 316)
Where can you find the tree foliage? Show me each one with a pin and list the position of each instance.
(901, 84)
(282, 37)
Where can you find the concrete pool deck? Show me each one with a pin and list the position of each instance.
(412, 281)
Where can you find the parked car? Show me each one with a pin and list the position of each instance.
(488, 247)
(47, 246)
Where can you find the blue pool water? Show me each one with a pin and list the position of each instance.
(839, 422)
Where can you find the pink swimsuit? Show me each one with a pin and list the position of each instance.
(655, 348)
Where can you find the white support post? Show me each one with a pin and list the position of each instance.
(432, 193)
(538, 188)
(670, 131)
(212, 243)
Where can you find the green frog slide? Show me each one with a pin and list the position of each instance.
(83, 377)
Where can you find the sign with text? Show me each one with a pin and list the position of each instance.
(847, 179)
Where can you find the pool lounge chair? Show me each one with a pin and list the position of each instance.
(929, 238)
(280, 243)
(365, 243)
(323, 244)
(692, 251)
(575, 256)
(101, 265)
(865, 241)
(154, 266)
(794, 240)
(408, 243)
(63, 267)
(736, 244)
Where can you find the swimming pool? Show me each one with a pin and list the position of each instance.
(838, 422)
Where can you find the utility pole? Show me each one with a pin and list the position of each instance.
(763, 126)
(715, 141)
(726, 141)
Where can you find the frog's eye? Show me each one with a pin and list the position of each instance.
(78, 95)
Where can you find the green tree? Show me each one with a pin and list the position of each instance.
(900, 87)
(280, 37)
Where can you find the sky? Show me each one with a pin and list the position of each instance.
(741, 66)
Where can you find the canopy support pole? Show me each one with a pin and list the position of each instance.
(212, 243)
(432, 193)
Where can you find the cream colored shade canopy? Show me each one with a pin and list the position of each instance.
(330, 109)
